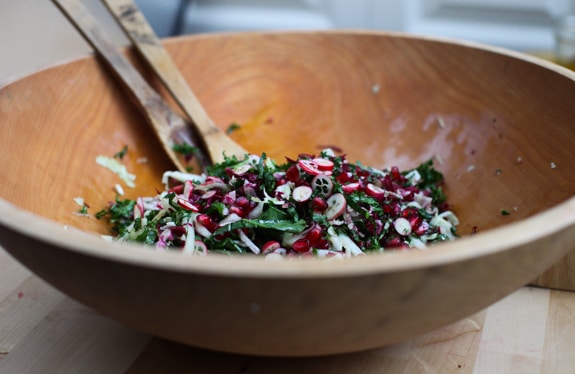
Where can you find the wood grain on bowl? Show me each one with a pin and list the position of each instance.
(497, 124)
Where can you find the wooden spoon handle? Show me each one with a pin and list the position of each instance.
(147, 43)
(170, 127)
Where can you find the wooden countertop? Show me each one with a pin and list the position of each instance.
(44, 331)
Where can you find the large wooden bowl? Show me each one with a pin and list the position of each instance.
(500, 126)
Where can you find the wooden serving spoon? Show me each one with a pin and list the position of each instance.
(170, 128)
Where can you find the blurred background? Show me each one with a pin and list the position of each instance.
(34, 34)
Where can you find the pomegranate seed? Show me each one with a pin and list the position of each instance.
(422, 228)
(314, 234)
(177, 189)
(409, 213)
(394, 243)
(415, 221)
(395, 174)
(344, 177)
(292, 173)
(242, 202)
(301, 245)
(362, 172)
(207, 222)
(319, 204)
(178, 230)
(238, 210)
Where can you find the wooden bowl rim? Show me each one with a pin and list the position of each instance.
(508, 237)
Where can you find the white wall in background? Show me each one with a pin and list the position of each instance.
(244, 15)
(519, 24)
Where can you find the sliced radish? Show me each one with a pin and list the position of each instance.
(402, 226)
(188, 189)
(241, 169)
(302, 193)
(187, 205)
(209, 194)
(270, 246)
(336, 205)
(139, 208)
(324, 164)
(212, 180)
(309, 166)
(351, 187)
(200, 247)
(375, 191)
(322, 184)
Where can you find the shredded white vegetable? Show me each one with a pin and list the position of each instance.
(117, 168)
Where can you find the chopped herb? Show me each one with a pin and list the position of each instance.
(431, 179)
(232, 127)
(504, 212)
(120, 155)
(185, 149)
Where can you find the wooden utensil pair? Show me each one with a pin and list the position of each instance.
(178, 136)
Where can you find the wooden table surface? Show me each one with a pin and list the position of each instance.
(44, 331)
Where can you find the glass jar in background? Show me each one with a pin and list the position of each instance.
(565, 41)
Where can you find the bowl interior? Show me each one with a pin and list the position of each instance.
(499, 127)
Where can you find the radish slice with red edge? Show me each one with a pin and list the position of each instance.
(187, 205)
(351, 187)
(336, 205)
(309, 166)
(402, 226)
(302, 193)
(375, 191)
(324, 164)
(322, 184)
(270, 246)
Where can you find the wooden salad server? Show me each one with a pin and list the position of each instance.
(171, 129)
